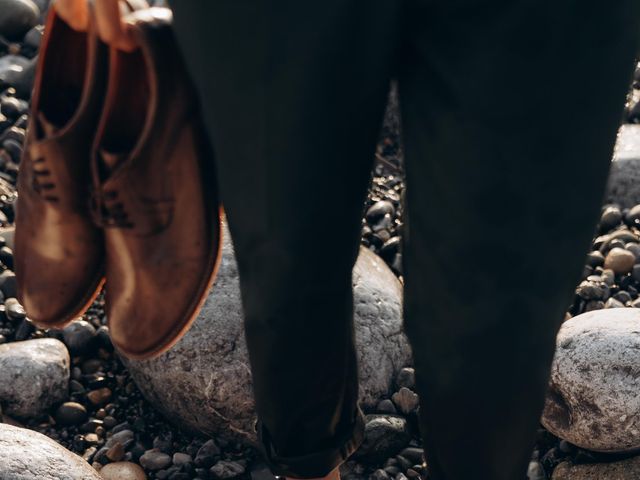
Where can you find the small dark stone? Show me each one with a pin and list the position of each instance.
(163, 444)
(590, 290)
(6, 257)
(34, 36)
(13, 107)
(13, 133)
(406, 378)
(8, 284)
(14, 310)
(70, 413)
(91, 366)
(24, 329)
(622, 296)
(225, 469)
(633, 216)
(207, 454)
(90, 426)
(125, 437)
(384, 436)
(386, 406)
(79, 337)
(594, 305)
(155, 460)
(403, 462)
(109, 422)
(17, 17)
(104, 340)
(14, 149)
(415, 454)
(595, 259)
(378, 210)
(22, 122)
(379, 474)
(611, 217)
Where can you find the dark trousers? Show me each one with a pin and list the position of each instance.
(509, 112)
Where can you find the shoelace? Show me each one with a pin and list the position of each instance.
(108, 211)
(41, 182)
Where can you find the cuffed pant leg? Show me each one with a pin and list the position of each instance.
(510, 111)
(294, 94)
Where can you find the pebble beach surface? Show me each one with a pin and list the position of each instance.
(82, 396)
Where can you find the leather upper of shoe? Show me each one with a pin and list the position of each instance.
(155, 193)
(58, 250)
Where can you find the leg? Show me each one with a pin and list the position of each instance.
(294, 94)
(510, 113)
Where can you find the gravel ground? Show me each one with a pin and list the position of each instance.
(104, 401)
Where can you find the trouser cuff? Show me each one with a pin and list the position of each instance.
(316, 464)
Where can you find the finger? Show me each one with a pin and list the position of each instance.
(74, 12)
(111, 29)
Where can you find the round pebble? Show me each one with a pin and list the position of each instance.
(122, 471)
(70, 413)
(619, 260)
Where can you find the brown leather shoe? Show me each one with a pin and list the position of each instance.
(155, 193)
(59, 252)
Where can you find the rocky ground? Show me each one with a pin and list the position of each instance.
(70, 385)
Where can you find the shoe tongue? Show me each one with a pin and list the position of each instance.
(46, 127)
(111, 160)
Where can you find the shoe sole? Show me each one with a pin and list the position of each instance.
(87, 301)
(181, 328)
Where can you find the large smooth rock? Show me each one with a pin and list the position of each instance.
(34, 375)
(594, 393)
(17, 17)
(29, 455)
(204, 382)
(624, 177)
(628, 469)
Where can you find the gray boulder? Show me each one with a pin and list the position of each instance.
(628, 469)
(34, 376)
(204, 382)
(624, 177)
(29, 455)
(17, 17)
(594, 393)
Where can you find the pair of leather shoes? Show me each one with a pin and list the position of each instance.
(117, 182)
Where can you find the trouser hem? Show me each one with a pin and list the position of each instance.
(316, 464)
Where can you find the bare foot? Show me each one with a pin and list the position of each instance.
(333, 475)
